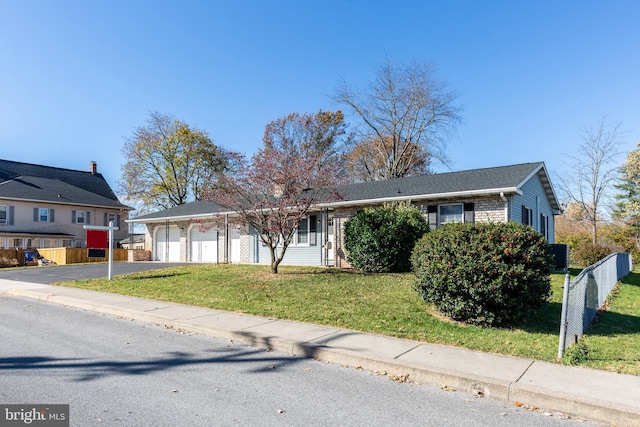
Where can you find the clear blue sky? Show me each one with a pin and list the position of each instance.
(76, 77)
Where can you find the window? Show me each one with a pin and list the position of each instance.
(527, 216)
(303, 232)
(3, 215)
(15, 243)
(80, 217)
(112, 217)
(450, 213)
(544, 226)
(43, 215)
(306, 233)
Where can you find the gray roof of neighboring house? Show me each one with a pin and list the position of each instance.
(29, 182)
(467, 183)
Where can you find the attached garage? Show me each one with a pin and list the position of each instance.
(167, 247)
(203, 245)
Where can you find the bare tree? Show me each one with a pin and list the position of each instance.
(405, 113)
(593, 170)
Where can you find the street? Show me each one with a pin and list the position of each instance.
(118, 372)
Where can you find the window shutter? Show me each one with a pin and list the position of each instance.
(88, 218)
(432, 216)
(525, 215)
(11, 208)
(35, 214)
(52, 216)
(106, 218)
(73, 217)
(117, 224)
(469, 213)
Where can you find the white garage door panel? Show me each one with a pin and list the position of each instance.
(173, 245)
(204, 245)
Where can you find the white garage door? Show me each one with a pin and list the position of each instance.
(204, 245)
(167, 250)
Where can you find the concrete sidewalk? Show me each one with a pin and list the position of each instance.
(585, 393)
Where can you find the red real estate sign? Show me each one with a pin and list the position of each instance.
(97, 239)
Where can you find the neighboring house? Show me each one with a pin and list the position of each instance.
(48, 207)
(134, 241)
(521, 193)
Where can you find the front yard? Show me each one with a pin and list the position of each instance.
(385, 304)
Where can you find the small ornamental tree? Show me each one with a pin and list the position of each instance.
(381, 239)
(488, 274)
(275, 190)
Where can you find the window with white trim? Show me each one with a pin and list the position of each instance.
(450, 213)
(303, 232)
(43, 215)
(306, 234)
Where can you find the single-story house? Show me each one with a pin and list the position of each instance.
(521, 193)
(48, 207)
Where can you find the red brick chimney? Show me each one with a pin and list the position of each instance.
(93, 167)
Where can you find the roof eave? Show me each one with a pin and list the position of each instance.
(424, 197)
(121, 207)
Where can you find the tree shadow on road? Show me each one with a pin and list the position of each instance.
(94, 369)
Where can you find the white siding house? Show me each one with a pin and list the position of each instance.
(521, 193)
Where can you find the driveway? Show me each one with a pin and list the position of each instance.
(62, 273)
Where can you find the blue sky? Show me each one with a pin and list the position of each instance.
(77, 77)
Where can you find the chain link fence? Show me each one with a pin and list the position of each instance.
(587, 293)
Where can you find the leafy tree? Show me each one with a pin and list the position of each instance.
(592, 171)
(405, 114)
(168, 163)
(628, 206)
(276, 189)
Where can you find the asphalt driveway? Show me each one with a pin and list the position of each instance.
(61, 273)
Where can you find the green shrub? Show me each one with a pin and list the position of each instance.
(380, 240)
(586, 254)
(488, 274)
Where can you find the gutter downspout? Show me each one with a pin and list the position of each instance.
(506, 206)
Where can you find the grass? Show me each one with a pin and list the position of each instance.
(385, 304)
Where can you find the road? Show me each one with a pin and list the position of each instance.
(63, 273)
(116, 372)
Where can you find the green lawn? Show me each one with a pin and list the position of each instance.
(384, 304)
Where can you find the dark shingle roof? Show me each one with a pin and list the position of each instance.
(507, 179)
(25, 181)
(188, 210)
(449, 183)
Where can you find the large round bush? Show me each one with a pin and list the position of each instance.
(488, 274)
(381, 239)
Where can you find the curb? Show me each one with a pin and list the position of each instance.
(529, 383)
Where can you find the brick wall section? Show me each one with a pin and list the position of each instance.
(245, 245)
(486, 209)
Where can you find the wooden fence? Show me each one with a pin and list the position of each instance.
(12, 257)
(62, 256)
